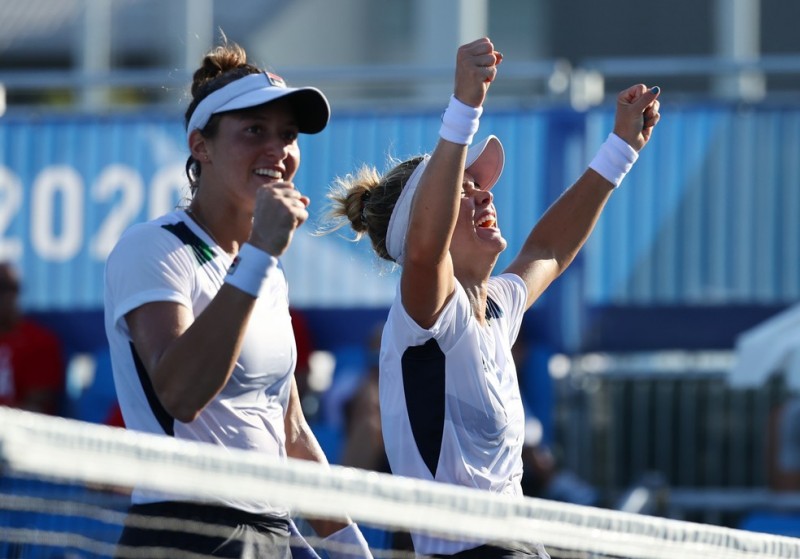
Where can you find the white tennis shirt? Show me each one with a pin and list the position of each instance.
(172, 259)
(451, 409)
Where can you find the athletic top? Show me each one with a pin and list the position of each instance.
(451, 409)
(172, 259)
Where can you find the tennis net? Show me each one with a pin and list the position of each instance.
(64, 493)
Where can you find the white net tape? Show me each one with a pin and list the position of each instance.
(56, 448)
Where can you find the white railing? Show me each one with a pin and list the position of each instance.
(582, 85)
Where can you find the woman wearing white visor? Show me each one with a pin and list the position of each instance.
(451, 409)
(197, 312)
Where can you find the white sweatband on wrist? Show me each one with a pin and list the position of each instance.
(250, 269)
(460, 122)
(614, 159)
(347, 543)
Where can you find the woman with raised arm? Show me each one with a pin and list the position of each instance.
(197, 309)
(450, 403)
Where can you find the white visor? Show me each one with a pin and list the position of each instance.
(485, 162)
(309, 103)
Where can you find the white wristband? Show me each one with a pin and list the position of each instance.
(250, 269)
(614, 159)
(347, 543)
(460, 122)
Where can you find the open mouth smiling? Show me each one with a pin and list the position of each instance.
(486, 222)
(271, 173)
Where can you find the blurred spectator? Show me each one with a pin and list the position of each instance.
(783, 471)
(783, 447)
(305, 346)
(363, 444)
(541, 475)
(91, 394)
(363, 438)
(32, 369)
(114, 417)
(543, 478)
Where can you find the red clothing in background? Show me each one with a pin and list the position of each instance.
(31, 369)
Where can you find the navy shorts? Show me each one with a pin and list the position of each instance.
(517, 550)
(212, 530)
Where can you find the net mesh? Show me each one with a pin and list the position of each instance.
(64, 492)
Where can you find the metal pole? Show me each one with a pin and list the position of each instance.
(738, 38)
(442, 26)
(199, 31)
(95, 53)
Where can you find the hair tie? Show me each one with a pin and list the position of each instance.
(364, 198)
